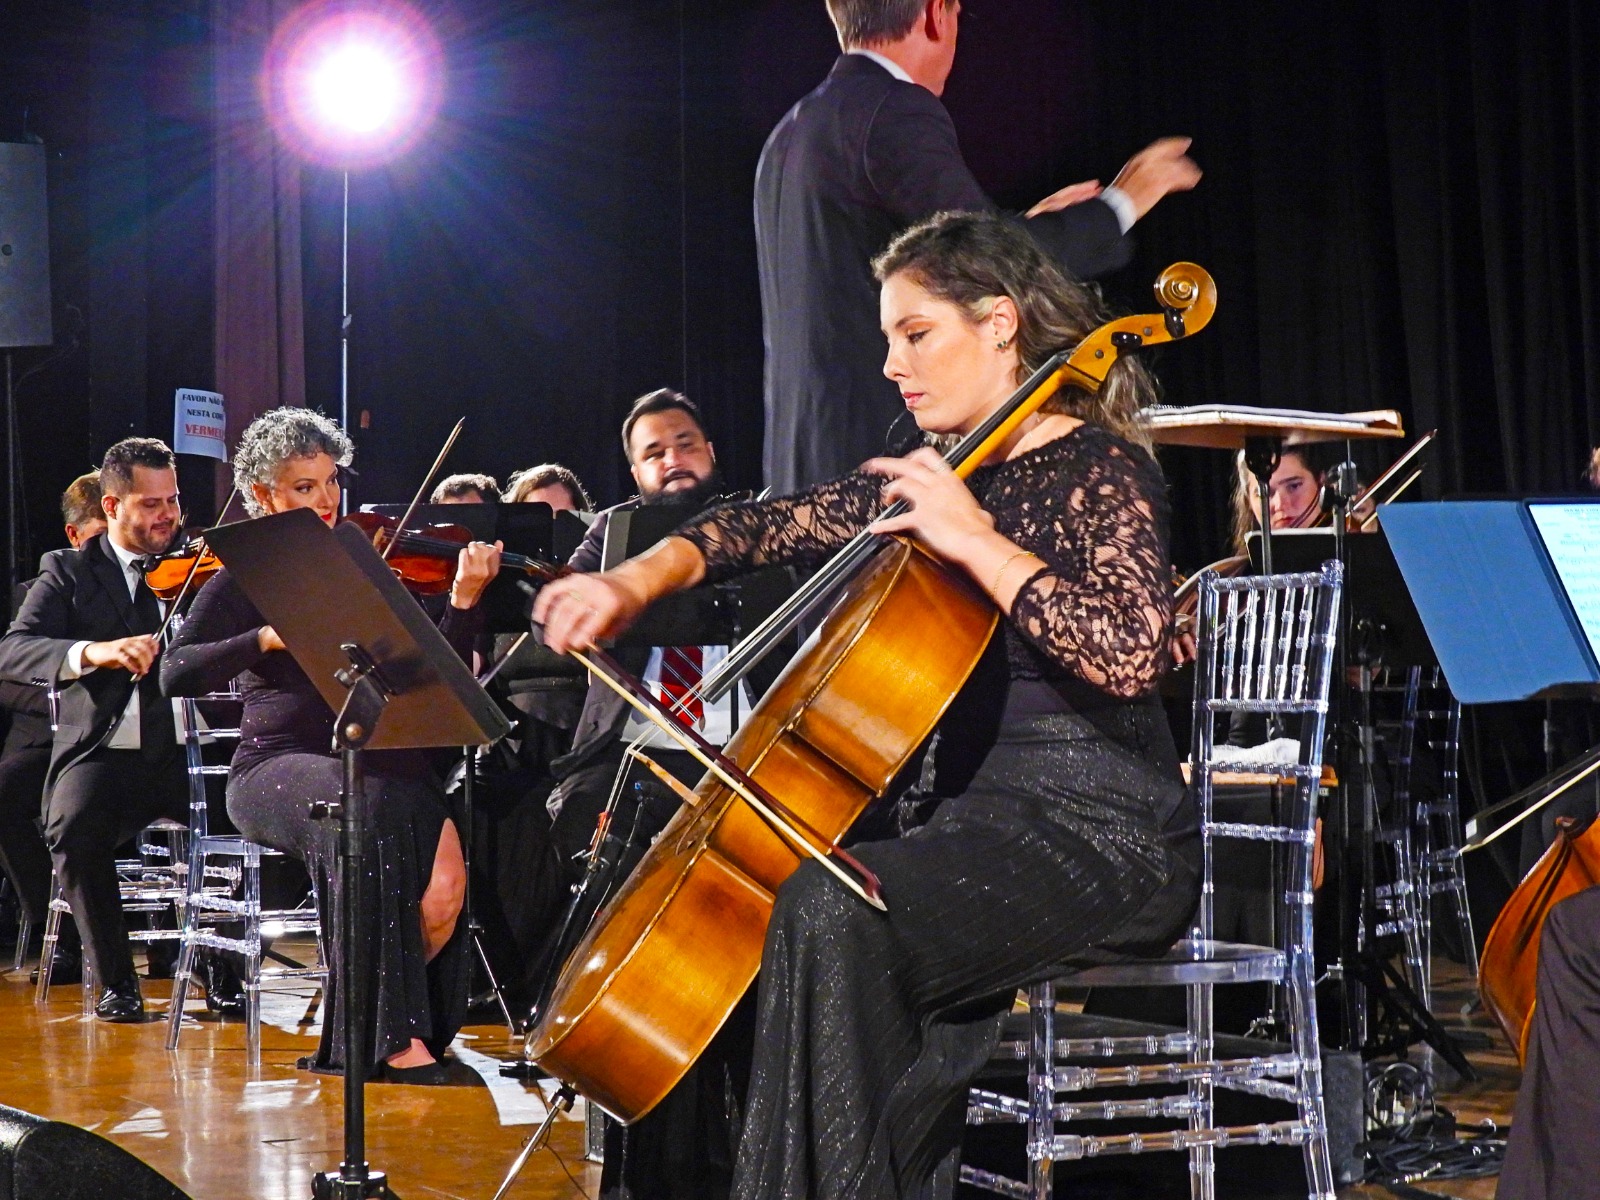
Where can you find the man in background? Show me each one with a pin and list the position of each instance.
(466, 489)
(868, 153)
(25, 759)
(88, 626)
(80, 509)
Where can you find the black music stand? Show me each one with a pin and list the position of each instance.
(1381, 615)
(395, 683)
(1382, 612)
(718, 614)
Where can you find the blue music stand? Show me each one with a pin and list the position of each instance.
(1498, 611)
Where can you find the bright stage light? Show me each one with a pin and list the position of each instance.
(353, 84)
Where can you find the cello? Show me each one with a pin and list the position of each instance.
(1509, 965)
(829, 736)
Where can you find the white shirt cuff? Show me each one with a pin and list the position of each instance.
(73, 666)
(1122, 205)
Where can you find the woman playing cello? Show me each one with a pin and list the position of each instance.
(291, 458)
(1062, 832)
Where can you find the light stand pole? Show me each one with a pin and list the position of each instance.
(13, 489)
(344, 330)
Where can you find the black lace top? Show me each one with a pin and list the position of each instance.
(1092, 622)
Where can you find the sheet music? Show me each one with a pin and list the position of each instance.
(1571, 536)
(1157, 413)
(1227, 426)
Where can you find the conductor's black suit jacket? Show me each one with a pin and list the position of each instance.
(859, 159)
(80, 595)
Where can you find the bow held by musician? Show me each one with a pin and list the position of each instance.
(1062, 826)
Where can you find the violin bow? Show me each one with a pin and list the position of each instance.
(1395, 495)
(427, 482)
(488, 676)
(194, 567)
(767, 806)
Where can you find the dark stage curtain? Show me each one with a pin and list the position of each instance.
(1402, 209)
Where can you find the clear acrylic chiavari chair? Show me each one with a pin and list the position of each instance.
(1265, 645)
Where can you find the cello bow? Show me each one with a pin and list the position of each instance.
(763, 802)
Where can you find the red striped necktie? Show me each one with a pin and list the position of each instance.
(682, 669)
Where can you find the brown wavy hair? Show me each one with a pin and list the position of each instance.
(970, 259)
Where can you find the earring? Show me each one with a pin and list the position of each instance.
(1002, 345)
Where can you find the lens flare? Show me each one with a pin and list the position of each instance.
(353, 85)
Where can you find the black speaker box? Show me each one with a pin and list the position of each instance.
(48, 1160)
(24, 247)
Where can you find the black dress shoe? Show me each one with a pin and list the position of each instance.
(224, 992)
(121, 1002)
(68, 968)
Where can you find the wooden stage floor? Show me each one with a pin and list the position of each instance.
(200, 1118)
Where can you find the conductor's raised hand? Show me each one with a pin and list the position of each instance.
(135, 655)
(580, 611)
(1162, 167)
(943, 515)
(476, 565)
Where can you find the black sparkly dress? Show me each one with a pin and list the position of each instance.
(285, 761)
(1062, 833)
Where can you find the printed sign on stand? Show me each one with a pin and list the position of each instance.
(200, 424)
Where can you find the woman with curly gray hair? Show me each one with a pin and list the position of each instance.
(283, 436)
(290, 458)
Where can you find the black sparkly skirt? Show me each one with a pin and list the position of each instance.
(269, 801)
(1065, 849)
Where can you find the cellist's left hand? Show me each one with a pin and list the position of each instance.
(944, 516)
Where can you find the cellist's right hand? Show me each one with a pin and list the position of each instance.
(580, 611)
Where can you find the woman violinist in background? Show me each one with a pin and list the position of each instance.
(1063, 830)
(1296, 493)
(291, 458)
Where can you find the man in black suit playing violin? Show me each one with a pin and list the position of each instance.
(88, 627)
(870, 152)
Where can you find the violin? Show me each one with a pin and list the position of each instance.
(186, 569)
(1363, 508)
(425, 558)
